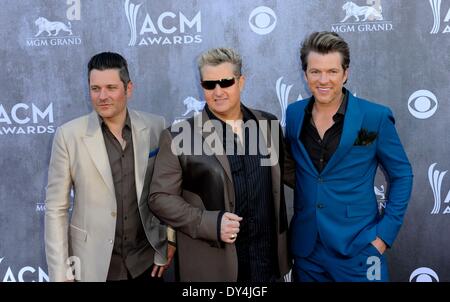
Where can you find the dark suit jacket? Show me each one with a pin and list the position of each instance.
(189, 191)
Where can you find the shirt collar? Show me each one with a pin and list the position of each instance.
(127, 121)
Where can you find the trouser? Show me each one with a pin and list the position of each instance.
(324, 266)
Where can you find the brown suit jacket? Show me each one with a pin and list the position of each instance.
(201, 254)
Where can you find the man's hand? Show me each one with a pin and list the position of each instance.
(159, 269)
(379, 245)
(229, 227)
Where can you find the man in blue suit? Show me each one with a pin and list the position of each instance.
(337, 141)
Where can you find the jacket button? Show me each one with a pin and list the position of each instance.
(113, 214)
(320, 206)
(110, 241)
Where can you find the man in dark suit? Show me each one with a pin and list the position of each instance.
(337, 142)
(227, 207)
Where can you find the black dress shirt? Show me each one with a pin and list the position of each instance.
(256, 242)
(320, 150)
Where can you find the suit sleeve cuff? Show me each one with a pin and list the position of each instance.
(219, 224)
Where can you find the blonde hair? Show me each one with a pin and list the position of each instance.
(217, 56)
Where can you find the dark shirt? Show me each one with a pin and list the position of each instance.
(321, 150)
(256, 243)
(132, 253)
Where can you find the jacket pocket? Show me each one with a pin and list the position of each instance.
(77, 233)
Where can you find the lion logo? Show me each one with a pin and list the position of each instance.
(370, 13)
(44, 25)
(192, 105)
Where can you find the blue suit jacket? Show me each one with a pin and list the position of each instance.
(339, 203)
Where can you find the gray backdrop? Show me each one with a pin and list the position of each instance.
(399, 53)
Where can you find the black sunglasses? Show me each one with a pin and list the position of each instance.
(223, 83)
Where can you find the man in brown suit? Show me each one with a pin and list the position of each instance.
(217, 181)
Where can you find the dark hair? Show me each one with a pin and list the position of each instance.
(110, 60)
(324, 42)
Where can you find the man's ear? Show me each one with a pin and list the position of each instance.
(129, 92)
(346, 73)
(241, 83)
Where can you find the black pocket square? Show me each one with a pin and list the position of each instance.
(365, 137)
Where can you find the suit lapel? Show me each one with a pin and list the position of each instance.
(297, 131)
(199, 121)
(95, 145)
(352, 123)
(141, 143)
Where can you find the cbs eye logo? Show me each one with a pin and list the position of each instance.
(422, 104)
(262, 20)
(423, 274)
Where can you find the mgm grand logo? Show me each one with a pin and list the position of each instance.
(362, 18)
(54, 32)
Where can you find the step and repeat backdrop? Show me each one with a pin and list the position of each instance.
(399, 57)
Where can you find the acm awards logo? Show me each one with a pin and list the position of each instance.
(436, 6)
(283, 91)
(25, 274)
(362, 18)
(262, 20)
(422, 104)
(435, 177)
(23, 118)
(423, 274)
(168, 28)
(51, 32)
